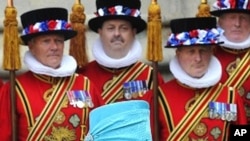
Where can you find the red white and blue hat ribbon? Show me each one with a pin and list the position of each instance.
(195, 37)
(231, 4)
(118, 10)
(44, 26)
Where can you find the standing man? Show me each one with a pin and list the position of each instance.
(234, 19)
(193, 105)
(116, 70)
(52, 101)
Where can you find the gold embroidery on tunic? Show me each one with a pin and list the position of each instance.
(60, 118)
(191, 101)
(241, 91)
(232, 66)
(47, 95)
(61, 134)
(200, 129)
(105, 86)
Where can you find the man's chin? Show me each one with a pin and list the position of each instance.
(237, 38)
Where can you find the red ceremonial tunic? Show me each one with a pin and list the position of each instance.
(103, 77)
(228, 59)
(176, 100)
(68, 124)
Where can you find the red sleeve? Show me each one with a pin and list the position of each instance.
(5, 113)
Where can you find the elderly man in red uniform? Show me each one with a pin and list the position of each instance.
(234, 19)
(53, 102)
(193, 105)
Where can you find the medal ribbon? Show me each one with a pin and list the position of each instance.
(194, 114)
(115, 89)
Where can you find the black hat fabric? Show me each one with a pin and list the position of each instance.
(118, 9)
(193, 31)
(46, 21)
(230, 6)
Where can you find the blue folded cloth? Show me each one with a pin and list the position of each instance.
(120, 121)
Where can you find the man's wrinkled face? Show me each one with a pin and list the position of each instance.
(117, 37)
(235, 25)
(194, 60)
(47, 49)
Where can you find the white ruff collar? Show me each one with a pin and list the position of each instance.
(133, 55)
(233, 45)
(67, 67)
(210, 78)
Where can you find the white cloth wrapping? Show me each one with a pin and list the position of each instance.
(210, 78)
(67, 67)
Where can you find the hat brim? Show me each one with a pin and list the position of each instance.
(223, 11)
(66, 33)
(96, 23)
(168, 46)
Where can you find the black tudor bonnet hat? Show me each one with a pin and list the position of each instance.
(193, 31)
(46, 21)
(118, 9)
(230, 6)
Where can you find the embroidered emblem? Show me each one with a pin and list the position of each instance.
(247, 110)
(216, 132)
(61, 134)
(106, 85)
(241, 91)
(191, 101)
(74, 120)
(47, 95)
(60, 118)
(232, 66)
(200, 129)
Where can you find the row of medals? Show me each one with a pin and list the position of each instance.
(224, 111)
(80, 99)
(134, 89)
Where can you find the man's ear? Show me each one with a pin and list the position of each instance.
(30, 44)
(134, 31)
(177, 51)
(214, 48)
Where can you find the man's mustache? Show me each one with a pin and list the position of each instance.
(117, 39)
